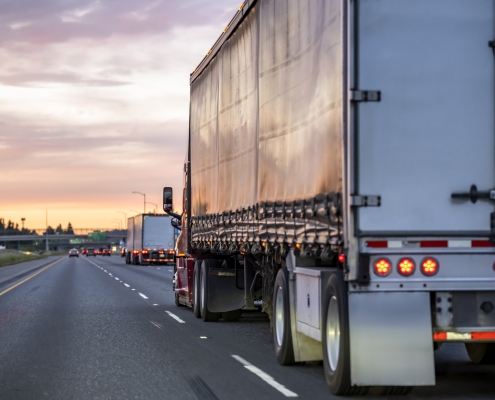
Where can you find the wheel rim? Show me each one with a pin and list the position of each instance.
(279, 316)
(202, 291)
(333, 333)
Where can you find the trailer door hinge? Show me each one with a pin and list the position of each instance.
(365, 95)
(366, 201)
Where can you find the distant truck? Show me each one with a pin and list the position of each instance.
(150, 240)
(341, 168)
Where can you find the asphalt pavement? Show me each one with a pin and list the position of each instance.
(96, 328)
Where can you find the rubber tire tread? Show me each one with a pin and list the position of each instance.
(206, 315)
(232, 316)
(488, 358)
(395, 390)
(196, 288)
(339, 382)
(285, 352)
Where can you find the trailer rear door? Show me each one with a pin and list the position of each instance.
(432, 132)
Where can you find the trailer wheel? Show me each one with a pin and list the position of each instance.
(282, 334)
(207, 316)
(197, 289)
(394, 390)
(335, 339)
(481, 353)
(232, 316)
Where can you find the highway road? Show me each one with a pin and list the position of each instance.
(96, 328)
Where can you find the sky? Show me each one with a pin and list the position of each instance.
(94, 101)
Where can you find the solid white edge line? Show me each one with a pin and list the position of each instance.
(175, 317)
(267, 378)
(142, 295)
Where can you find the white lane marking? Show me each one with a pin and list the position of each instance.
(142, 295)
(126, 285)
(158, 267)
(267, 378)
(116, 279)
(158, 325)
(110, 274)
(170, 270)
(105, 270)
(155, 304)
(175, 317)
(133, 289)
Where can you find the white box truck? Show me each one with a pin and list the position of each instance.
(341, 167)
(150, 240)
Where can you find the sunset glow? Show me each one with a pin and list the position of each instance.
(94, 102)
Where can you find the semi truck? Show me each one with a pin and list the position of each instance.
(150, 240)
(340, 169)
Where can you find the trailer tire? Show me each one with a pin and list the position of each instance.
(481, 353)
(207, 316)
(394, 390)
(282, 333)
(335, 339)
(197, 289)
(232, 316)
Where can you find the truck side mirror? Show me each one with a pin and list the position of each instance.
(167, 199)
(176, 223)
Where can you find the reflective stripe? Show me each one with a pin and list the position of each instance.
(444, 336)
(397, 244)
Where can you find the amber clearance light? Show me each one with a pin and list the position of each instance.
(406, 267)
(429, 266)
(382, 267)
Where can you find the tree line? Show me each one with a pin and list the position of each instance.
(11, 228)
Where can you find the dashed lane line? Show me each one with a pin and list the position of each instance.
(267, 378)
(126, 285)
(175, 317)
(142, 295)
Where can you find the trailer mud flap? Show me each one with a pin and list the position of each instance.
(223, 294)
(391, 339)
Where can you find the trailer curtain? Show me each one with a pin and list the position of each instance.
(266, 114)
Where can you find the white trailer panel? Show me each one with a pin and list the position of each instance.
(432, 133)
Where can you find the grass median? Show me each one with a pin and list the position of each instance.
(10, 257)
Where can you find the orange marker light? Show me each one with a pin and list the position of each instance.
(429, 266)
(382, 267)
(406, 267)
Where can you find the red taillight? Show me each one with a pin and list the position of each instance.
(136, 252)
(382, 267)
(145, 251)
(429, 266)
(341, 258)
(171, 252)
(160, 252)
(406, 267)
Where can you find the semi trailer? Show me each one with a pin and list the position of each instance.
(340, 169)
(150, 240)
